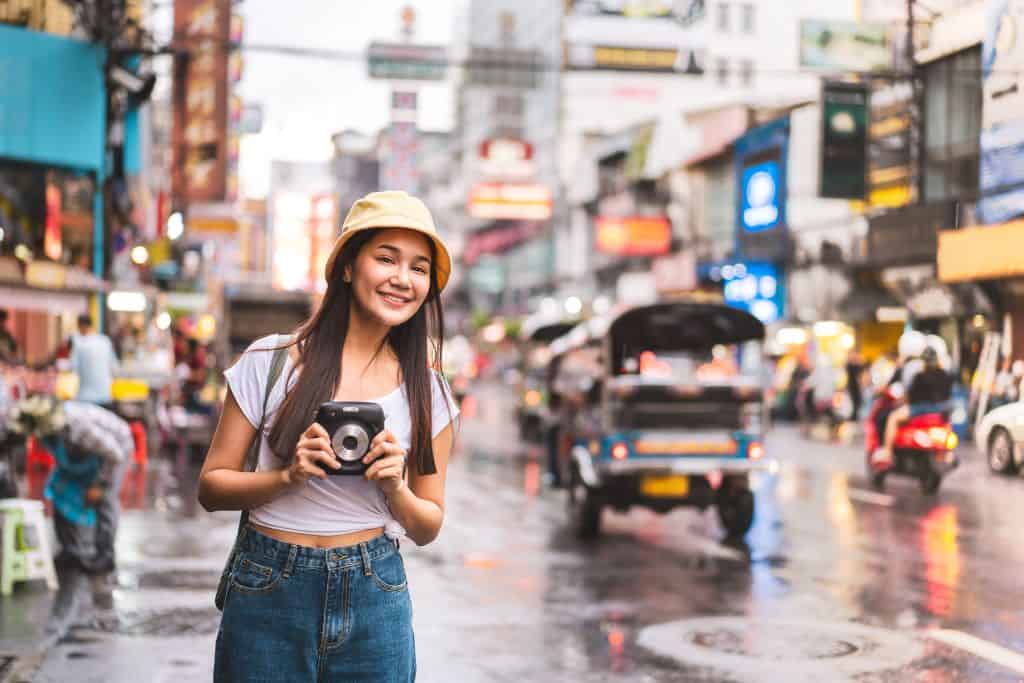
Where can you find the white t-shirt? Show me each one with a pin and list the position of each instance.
(339, 504)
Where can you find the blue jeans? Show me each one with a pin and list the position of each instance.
(295, 613)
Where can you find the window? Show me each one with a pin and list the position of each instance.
(746, 72)
(952, 126)
(747, 20)
(722, 70)
(723, 17)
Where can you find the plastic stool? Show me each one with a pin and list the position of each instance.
(141, 446)
(37, 457)
(25, 547)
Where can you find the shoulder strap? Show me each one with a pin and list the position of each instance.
(276, 366)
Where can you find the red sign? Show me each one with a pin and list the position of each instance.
(510, 201)
(498, 239)
(201, 99)
(506, 149)
(634, 235)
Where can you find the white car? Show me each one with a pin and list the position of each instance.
(1001, 434)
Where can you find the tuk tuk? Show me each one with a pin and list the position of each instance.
(677, 417)
(532, 410)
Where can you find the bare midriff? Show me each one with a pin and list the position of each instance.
(315, 541)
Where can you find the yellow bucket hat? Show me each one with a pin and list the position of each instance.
(393, 209)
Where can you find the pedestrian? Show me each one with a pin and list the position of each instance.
(94, 361)
(8, 344)
(854, 383)
(317, 589)
(90, 445)
(195, 376)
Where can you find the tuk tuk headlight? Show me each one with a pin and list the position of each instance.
(619, 450)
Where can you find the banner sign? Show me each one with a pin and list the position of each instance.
(683, 12)
(618, 58)
(200, 137)
(1001, 181)
(511, 201)
(844, 124)
(845, 46)
(756, 288)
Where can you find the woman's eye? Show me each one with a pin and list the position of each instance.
(385, 259)
(422, 271)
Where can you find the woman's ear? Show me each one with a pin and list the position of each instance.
(346, 274)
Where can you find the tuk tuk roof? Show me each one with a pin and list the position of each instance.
(545, 332)
(682, 326)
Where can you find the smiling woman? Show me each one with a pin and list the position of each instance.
(313, 545)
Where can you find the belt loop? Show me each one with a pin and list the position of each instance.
(366, 559)
(290, 563)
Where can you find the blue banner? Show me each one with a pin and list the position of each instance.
(761, 158)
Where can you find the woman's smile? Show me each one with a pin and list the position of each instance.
(395, 300)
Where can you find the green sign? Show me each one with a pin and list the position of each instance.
(407, 61)
(844, 157)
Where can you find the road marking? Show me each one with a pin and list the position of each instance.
(863, 496)
(981, 648)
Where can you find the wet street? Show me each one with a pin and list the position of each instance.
(835, 582)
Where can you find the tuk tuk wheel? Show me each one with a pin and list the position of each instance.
(735, 510)
(584, 509)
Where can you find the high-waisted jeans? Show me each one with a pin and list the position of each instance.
(295, 613)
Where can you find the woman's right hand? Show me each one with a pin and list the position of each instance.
(313, 455)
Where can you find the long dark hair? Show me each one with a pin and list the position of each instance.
(418, 343)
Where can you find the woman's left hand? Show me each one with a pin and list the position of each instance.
(386, 460)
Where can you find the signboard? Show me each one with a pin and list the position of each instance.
(760, 158)
(504, 67)
(633, 235)
(1001, 180)
(888, 183)
(845, 46)
(506, 158)
(683, 12)
(754, 287)
(406, 61)
(200, 137)
(618, 58)
(499, 238)
(513, 201)
(761, 201)
(844, 137)
(398, 168)
(908, 234)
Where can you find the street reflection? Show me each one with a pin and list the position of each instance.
(939, 539)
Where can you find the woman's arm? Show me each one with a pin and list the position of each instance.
(224, 486)
(419, 504)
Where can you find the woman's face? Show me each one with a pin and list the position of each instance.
(391, 275)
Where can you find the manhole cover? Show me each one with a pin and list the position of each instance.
(788, 648)
(173, 622)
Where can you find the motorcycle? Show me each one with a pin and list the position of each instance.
(924, 448)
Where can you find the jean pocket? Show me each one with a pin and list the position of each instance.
(252, 576)
(389, 573)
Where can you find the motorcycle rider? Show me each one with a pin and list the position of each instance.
(930, 391)
(909, 348)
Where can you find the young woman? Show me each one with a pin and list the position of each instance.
(318, 589)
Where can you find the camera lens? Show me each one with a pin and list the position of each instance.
(351, 442)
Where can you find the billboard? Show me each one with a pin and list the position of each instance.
(583, 57)
(200, 136)
(1001, 181)
(845, 46)
(754, 287)
(406, 61)
(844, 137)
(510, 201)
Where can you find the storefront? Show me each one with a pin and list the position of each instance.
(51, 166)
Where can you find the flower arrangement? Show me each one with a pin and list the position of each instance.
(38, 416)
